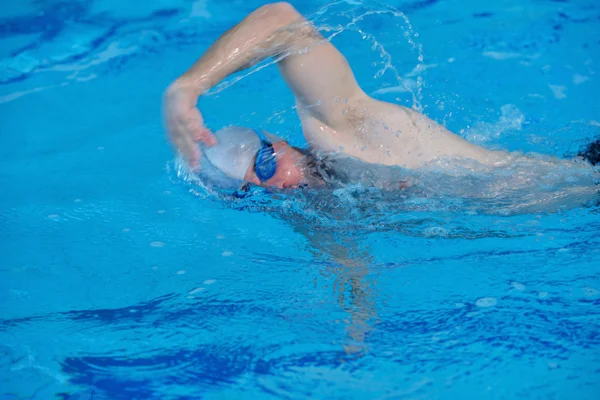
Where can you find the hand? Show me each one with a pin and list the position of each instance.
(184, 122)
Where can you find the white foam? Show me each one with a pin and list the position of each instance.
(518, 286)
(157, 244)
(559, 91)
(210, 281)
(511, 119)
(419, 69)
(392, 89)
(485, 302)
(579, 79)
(501, 55)
(86, 78)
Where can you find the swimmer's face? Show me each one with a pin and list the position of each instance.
(289, 172)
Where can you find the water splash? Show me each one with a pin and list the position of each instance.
(337, 17)
(443, 191)
(511, 119)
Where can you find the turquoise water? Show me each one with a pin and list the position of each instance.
(121, 280)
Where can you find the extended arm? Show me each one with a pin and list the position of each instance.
(317, 72)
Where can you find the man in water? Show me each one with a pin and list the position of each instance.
(337, 116)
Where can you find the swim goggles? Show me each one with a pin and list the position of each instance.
(265, 162)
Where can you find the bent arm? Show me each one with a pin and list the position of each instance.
(317, 73)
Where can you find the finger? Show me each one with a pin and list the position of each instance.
(203, 135)
(188, 149)
(196, 129)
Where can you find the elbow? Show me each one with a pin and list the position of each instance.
(282, 13)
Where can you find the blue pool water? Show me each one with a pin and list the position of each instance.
(120, 280)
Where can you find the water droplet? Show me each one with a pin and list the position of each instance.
(486, 302)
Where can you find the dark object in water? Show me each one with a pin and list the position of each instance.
(591, 152)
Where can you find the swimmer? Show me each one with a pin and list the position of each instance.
(336, 115)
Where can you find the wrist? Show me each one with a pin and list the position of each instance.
(188, 85)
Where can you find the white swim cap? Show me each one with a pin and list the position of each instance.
(236, 147)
